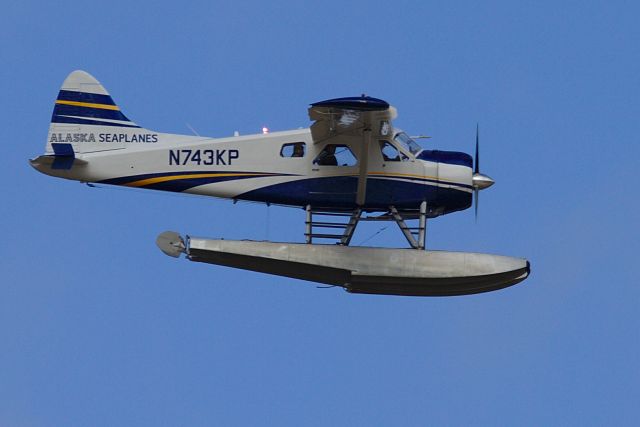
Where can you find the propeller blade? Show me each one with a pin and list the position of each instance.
(476, 199)
(478, 178)
(477, 162)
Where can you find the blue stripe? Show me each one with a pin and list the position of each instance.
(62, 162)
(73, 120)
(96, 113)
(62, 149)
(337, 191)
(64, 156)
(340, 192)
(93, 98)
(330, 192)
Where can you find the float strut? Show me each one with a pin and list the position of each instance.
(350, 227)
(422, 226)
(308, 225)
(406, 230)
(416, 241)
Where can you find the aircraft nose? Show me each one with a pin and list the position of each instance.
(482, 181)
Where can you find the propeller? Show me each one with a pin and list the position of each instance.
(479, 180)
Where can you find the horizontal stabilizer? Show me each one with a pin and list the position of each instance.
(42, 163)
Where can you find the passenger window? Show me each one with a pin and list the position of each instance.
(389, 152)
(294, 149)
(336, 155)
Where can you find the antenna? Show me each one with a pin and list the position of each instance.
(192, 129)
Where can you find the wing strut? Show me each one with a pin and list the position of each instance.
(364, 166)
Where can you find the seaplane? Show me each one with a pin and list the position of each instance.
(350, 165)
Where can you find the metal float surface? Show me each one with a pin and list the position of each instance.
(363, 269)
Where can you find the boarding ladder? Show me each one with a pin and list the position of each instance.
(323, 223)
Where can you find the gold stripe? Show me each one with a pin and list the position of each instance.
(404, 174)
(433, 178)
(159, 179)
(88, 104)
(149, 181)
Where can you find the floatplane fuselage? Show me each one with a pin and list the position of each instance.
(351, 162)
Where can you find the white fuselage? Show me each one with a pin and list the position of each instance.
(256, 167)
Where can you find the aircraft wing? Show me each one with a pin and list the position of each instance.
(353, 117)
(350, 117)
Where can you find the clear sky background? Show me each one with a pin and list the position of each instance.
(98, 327)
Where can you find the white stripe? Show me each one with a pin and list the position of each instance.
(118, 122)
(433, 184)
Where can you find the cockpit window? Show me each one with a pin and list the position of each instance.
(335, 155)
(408, 143)
(389, 152)
(294, 149)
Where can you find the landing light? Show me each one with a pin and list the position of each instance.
(265, 130)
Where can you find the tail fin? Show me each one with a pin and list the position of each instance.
(82, 100)
(83, 112)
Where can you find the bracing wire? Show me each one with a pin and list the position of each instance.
(373, 235)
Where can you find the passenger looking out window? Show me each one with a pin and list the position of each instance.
(294, 149)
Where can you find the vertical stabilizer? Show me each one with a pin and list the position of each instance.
(84, 113)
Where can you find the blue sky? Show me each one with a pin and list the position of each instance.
(98, 327)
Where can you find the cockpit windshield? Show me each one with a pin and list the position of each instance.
(409, 144)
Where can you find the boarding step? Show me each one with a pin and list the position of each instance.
(318, 229)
